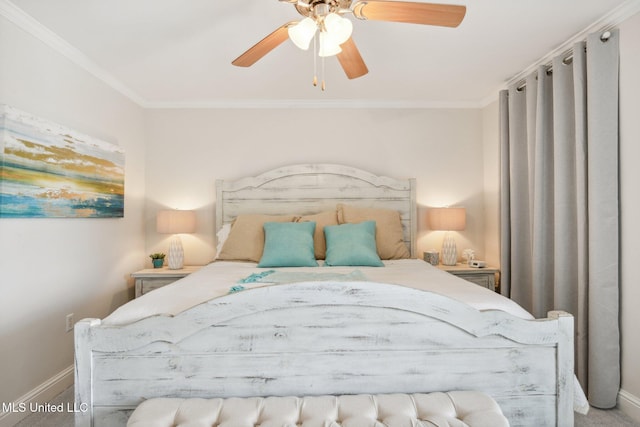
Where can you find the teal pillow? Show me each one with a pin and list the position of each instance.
(288, 244)
(352, 244)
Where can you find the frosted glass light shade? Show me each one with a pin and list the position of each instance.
(328, 45)
(302, 33)
(338, 27)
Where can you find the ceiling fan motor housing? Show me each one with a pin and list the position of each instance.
(320, 8)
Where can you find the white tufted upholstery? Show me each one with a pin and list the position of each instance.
(453, 409)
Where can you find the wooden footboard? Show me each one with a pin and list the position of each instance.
(328, 338)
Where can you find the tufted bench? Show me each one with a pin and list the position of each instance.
(453, 409)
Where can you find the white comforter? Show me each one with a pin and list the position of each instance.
(216, 279)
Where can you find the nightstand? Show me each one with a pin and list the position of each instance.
(154, 278)
(485, 276)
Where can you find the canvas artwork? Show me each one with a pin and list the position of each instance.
(49, 171)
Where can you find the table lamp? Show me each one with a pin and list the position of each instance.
(447, 219)
(176, 222)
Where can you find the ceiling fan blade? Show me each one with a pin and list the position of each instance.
(264, 46)
(351, 60)
(444, 15)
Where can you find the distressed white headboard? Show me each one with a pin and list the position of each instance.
(313, 188)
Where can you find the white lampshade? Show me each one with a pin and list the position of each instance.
(329, 46)
(448, 219)
(176, 222)
(340, 28)
(302, 33)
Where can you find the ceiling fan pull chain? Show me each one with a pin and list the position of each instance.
(322, 87)
(315, 61)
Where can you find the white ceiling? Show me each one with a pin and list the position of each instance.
(179, 52)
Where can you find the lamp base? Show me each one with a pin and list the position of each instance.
(175, 257)
(449, 250)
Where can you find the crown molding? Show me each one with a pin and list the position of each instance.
(490, 99)
(30, 25)
(27, 23)
(607, 22)
(313, 104)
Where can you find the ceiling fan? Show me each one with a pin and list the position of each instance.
(325, 17)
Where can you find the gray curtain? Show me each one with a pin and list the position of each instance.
(559, 203)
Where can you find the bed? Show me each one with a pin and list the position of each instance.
(405, 327)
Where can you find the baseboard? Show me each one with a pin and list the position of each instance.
(41, 394)
(629, 404)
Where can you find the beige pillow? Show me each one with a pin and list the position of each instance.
(389, 237)
(321, 219)
(246, 238)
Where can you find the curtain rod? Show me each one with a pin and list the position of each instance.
(604, 37)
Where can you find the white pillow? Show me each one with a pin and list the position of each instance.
(222, 236)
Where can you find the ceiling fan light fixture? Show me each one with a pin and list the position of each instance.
(326, 18)
(329, 45)
(302, 33)
(340, 28)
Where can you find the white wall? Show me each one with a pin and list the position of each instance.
(51, 267)
(189, 149)
(630, 212)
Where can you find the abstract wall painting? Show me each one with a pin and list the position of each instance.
(49, 171)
